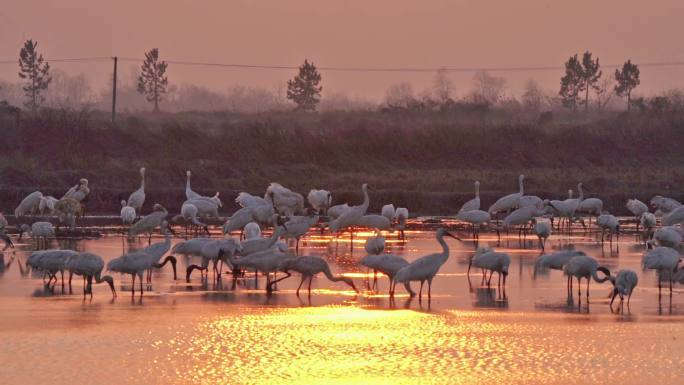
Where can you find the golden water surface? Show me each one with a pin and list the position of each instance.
(206, 334)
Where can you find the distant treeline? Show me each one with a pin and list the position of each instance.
(425, 159)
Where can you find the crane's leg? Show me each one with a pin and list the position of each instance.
(615, 292)
(301, 283)
(588, 280)
(375, 278)
(141, 285)
(71, 274)
(579, 287)
(429, 289)
(310, 279)
(420, 293)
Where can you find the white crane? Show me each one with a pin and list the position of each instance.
(334, 212)
(591, 206)
(206, 207)
(665, 261)
(137, 197)
(521, 217)
(389, 265)
(89, 266)
(637, 208)
(375, 245)
(214, 251)
(50, 262)
(476, 218)
(425, 268)
(374, 221)
(308, 267)
(402, 215)
(583, 266)
(351, 216)
(297, 227)
(285, 201)
(239, 220)
(648, 223)
(149, 222)
(252, 230)
(127, 214)
(157, 250)
(473, 204)
(47, 205)
(79, 192)
(610, 223)
(675, 216)
(557, 261)
(189, 214)
(249, 246)
(531, 200)
(29, 205)
(543, 230)
(320, 200)
(388, 211)
(266, 262)
(245, 199)
(510, 201)
(41, 232)
(136, 263)
(669, 236)
(623, 285)
(189, 194)
(490, 260)
(664, 204)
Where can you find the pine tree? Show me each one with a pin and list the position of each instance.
(627, 80)
(571, 83)
(152, 81)
(36, 70)
(304, 89)
(591, 73)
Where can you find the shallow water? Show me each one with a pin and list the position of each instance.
(200, 333)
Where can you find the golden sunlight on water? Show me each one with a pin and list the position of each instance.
(341, 344)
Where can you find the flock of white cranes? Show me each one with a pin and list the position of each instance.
(286, 212)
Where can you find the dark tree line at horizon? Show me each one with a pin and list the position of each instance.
(582, 76)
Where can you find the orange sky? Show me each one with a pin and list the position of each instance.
(397, 33)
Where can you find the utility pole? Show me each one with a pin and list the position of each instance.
(116, 59)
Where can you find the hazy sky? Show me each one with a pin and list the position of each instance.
(396, 33)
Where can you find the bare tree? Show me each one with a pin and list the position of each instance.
(533, 98)
(69, 91)
(488, 89)
(443, 86)
(604, 92)
(399, 95)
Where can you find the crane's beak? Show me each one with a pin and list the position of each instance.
(453, 236)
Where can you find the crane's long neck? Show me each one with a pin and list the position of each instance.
(520, 185)
(187, 183)
(445, 248)
(594, 274)
(477, 189)
(142, 180)
(366, 200)
(337, 278)
(581, 193)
